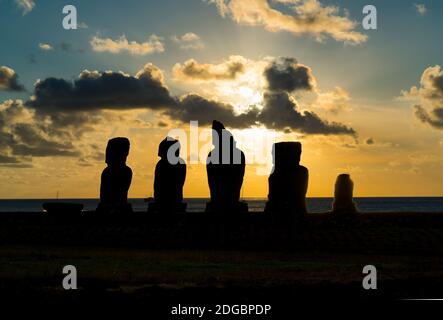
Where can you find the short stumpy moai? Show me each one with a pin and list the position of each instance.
(225, 168)
(116, 178)
(288, 182)
(170, 175)
(343, 195)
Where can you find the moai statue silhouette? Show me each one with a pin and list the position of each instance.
(343, 195)
(225, 168)
(288, 182)
(116, 178)
(170, 175)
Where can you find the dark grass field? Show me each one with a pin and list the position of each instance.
(194, 259)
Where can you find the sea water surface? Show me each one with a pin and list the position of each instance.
(315, 205)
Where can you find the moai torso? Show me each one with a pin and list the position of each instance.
(116, 177)
(288, 183)
(225, 168)
(115, 183)
(169, 178)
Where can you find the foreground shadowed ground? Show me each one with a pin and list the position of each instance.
(146, 260)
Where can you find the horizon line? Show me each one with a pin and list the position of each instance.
(206, 198)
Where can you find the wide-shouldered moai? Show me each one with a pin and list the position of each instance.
(343, 195)
(170, 175)
(288, 182)
(225, 167)
(116, 178)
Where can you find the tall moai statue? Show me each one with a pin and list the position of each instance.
(225, 167)
(343, 195)
(116, 178)
(170, 175)
(288, 182)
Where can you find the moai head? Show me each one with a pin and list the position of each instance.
(223, 139)
(218, 128)
(344, 187)
(286, 154)
(117, 151)
(165, 145)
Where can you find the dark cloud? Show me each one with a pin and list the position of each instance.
(102, 90)
(30, 141)
(434, 118)
(74, 105)
(280, 112)
(194, 107)
(430, 93)
(23, 136)
(285, 74)
(4, 159)
(431, 84)
(53, 120)
(9, 80)
(162, 124)
(430, 89)
(370, 141)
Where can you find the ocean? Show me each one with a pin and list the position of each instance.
(315, 205)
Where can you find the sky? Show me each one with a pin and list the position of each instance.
(364, 102)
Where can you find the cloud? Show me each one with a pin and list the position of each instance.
(152, 45)
(45, 46)
(7, 160)
(285, 74)
(222, 7)
(421, 8)
(433, 118)
(431, 86)
(62, 101)
(189, 41)
(25, 5)
(334, 101)
(94, 90)
(22, 135)
(9, 80)
(370, 141)
(281, 112)
(309, 17)
(430, 95)
(162, 124)
(195, 107)
(191, 70)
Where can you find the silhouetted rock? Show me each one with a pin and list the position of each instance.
(62, 208)
(344, 188)
(225, 168)
(170, 175)
(116, 178)
(288, 183)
